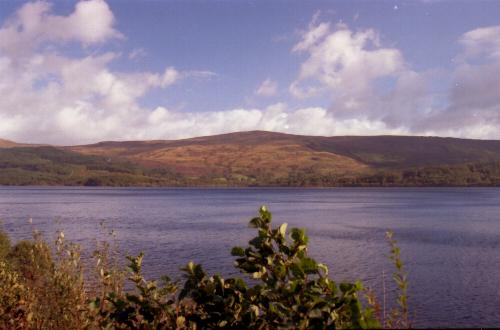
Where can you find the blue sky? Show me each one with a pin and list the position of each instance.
(80, 72)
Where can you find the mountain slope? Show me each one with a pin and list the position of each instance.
(242, 153)
(375, 151)
(409, 151)
(46, 165)
(8, 144)
(267, 158)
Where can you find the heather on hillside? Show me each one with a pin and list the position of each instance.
(258, 159)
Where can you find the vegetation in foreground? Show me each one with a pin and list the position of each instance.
(44, 289)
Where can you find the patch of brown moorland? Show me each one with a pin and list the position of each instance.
(7, 144)
(239, 154)
(279, 159)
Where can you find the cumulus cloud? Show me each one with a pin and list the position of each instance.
(366, 81)
(49, 96)
(343, 61)
(61, 100)
(276, 117)
(372, 86)
(52, 98)
(267, 88)
(33, 24)
(474, 100)
(483, 41)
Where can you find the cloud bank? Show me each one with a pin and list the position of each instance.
(51, 97)
(474, 99)
(374, 83)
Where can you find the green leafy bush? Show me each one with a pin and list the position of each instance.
(293, 290)
(286, 288)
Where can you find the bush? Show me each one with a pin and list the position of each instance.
(288, 289)
(293, 290)
(4, 245)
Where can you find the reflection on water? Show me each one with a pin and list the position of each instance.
(449, 236)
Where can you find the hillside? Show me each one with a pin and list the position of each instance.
(377, 151)
(45, 165)
(8, 144)
(246, 154)
(266, 158)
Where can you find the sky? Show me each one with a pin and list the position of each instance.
(76, 72)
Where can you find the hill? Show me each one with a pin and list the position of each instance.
(45, 165)
(8, 144)
(266, 158)
(379, 151)
(242, 154)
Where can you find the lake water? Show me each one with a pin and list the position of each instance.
(450, 237)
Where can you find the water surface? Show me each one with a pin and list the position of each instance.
(450, 237)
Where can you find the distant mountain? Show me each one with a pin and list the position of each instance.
(8, 144)
(261, 158)
(242, 154)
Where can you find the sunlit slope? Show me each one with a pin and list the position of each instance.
(246, 154)
(282, 151)
(8, 144)
(260, 159)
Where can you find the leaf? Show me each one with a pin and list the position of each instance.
(265, 215)
(299, 235)
(257, 241)
(308, 265)
(297, 270)
(346, 287)
(255, 310)
(238, 251)
(280, 271)
(255, 223)
(282, 229)
(323, 268)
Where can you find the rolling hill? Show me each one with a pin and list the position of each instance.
(46, 165)
(261, 158)
(8, 144)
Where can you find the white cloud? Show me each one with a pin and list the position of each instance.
(366, 81)
(474, 100)
(267, 88)
(276, 117)
(343, 61)
(483, 41)
(312, 36)
(50, 97)
(137, 53)
(199, 74)
(33, 25)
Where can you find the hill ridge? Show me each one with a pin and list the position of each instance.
(273, 158)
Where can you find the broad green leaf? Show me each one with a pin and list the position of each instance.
(237, 251)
